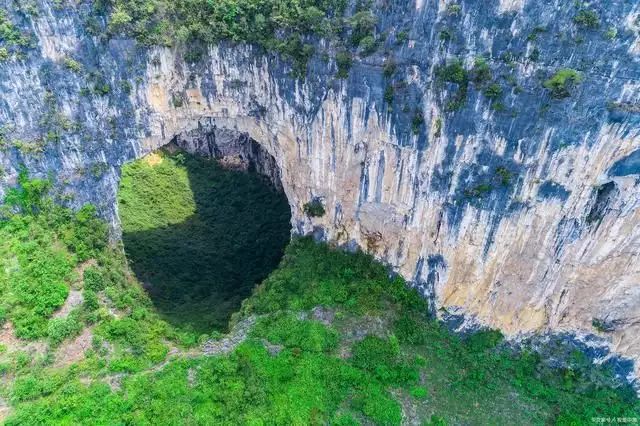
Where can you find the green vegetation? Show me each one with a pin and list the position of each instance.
(478, 191)
(73, 65)
(454, 72)
(493, 91)
(343, 62)
(12, 40)
(481, 73)
(505, 175)
(200, 236)
(334, 339)
(587, 18)
(389, 68)
(314, 208)
(388, 94)
(561, 83)
(417, 121)
(285, 26)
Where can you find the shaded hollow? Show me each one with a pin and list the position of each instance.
(200, 233)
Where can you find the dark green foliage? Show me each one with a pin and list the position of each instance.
(343, 62)
(284, 26)
(93, 279)
(314, 208)
(201, 236)
(362, 25)
(287, 330)
(60, 329)
(402, 37)
(389, 68)
(13, 42)
(417, 121)
(388, 94)
(408, 329)
(445, 35)
(312, 275)
(291, 369)
(481, 73)
(84, 233)
(493, 91)
(454, 72)
(587, 18)
(561, 83)
(505, 175)
(478, 191)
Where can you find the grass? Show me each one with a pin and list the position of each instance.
(336, 340)
(199, 236)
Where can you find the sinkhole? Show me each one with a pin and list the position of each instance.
(200, 232)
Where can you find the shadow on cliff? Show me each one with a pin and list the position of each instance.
(198, 272)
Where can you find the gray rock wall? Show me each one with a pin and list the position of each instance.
(520, 213)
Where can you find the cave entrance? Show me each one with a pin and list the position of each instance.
(200, 231)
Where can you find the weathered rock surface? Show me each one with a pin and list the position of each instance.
(523, 216)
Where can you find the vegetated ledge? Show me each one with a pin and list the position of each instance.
(328, 337)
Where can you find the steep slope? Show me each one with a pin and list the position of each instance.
(485, 150)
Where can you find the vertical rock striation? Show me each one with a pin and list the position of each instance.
(512, 207)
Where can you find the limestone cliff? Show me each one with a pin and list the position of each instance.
(516, 208)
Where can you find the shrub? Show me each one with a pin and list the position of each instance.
(481, 73)
(445, 35)
(389, 68)
(408, 330)
(562, 82)
(454, 9)
(343, 62)
(417, 122)
(505, 175)
(587, 18)
(388, 94)
(60, 329)
(373, 352)
(402, 37)
(314, 208)
(368, 45)
(90, 300)
(93, 279)
(493, 91)
(73, 65)
(291, 332)
(453, 72)
(419, 392)
(478, 191)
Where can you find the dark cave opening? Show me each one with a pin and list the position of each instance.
(201, 231)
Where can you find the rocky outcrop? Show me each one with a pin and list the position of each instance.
(517, 209)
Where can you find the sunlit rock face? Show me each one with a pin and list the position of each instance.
(522, 216)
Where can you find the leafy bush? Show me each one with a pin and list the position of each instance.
(60, 329)
(417, 121)
(561, 83)
(587, 18)
(453, 72)
(291, 332)
(343, 62)
(419, 392)
(481, 73)
(314, 208)
(409, 330)
(93, 279)
(73, 65)
(493, 91)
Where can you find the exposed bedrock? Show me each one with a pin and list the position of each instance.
(524, 218)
